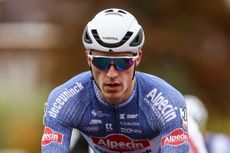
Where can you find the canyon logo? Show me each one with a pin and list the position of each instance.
(51, 136)
(120, 143)
(175, 138)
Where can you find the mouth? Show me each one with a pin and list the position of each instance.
(112, 87)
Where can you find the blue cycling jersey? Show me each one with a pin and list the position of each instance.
(152, 120)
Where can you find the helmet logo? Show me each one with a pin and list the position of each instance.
(110, 50)
(110, 38)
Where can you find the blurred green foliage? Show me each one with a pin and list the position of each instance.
(21, 116)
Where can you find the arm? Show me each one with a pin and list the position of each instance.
(174, 141)
(62, 114)
(56, 137)
(174, 135)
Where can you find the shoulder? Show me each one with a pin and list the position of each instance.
(79, 80)
(72, 87)
(155, 87)
(65, 100)
(150, 80)
(166, 103)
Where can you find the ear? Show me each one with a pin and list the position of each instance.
(88, 60)
(139, 58)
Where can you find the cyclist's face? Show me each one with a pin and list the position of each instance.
(115, 86)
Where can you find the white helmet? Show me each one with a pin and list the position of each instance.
(113, 30)
(197, 110)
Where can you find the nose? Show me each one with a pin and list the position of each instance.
(112, 72)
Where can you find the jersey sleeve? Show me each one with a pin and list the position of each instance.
(174, 135)
(65, 109)
(56, 136)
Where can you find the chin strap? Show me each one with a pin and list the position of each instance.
(134, 70)
(93, 77)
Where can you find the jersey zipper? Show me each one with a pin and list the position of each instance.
(116, 119)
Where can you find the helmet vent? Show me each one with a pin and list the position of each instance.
(108, 11)
(138, 39)
(120, 11)
(111, 45)
(87, 39)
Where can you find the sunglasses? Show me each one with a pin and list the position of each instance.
(120, 63)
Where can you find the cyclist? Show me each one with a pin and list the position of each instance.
(214, 142)
(197, 116)
(217, 142)
(116, 108)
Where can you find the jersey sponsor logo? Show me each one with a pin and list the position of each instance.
(131, 124)
(175, 138)
(44, 116)
(50, 136)
(128, 116)
(63, 98)
(122, 116)
(132, 116)
(95, 122)
(109, 127)
(161, 106)
(184, 117)
(91, 128)
(120, 143)
(99, 114)
(130, 130)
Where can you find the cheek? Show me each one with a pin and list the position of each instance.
(98, 75)
(128, 76)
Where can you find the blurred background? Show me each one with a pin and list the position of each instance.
(187, 44)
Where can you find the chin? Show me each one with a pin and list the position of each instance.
(113, 98)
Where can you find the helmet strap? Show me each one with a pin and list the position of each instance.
(134, 70)
(90, 67)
